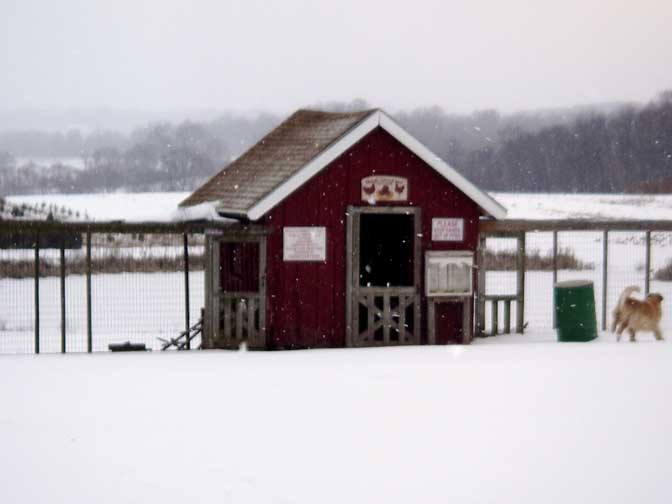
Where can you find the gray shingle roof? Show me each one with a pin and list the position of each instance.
(278, 156)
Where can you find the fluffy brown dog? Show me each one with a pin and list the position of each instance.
(635, 315)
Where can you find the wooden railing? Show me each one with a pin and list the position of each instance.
(391, 316)
(495, 300)
(239, 317)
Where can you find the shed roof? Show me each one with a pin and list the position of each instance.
(298, 149)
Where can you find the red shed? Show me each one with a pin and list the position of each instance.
(350, 233)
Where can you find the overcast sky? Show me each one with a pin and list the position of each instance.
(276, 56)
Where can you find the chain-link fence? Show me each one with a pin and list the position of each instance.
(81, 288)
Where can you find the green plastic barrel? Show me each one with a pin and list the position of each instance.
(575, 310)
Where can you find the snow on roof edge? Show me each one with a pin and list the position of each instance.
(203, 211)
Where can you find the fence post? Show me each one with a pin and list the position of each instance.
(37, 292)
(605, 269)
(555, 272)
(89, 332)
(187, 323)
(520, 294)
(480, 302)
(62, 257)
(495, 317)
(647, 265)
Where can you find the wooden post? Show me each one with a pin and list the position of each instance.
(89, 332)
(431, 319)
(349, 331)
(371, 302)
(37, 293)
(480, 294)
(520, 294)
(62, 257)
(216, 337)
(417, 274)
(187, 324)
(249, 324)
(206, 335)
(466, 321)
(261, 335)
(507, 316)
(402, 318)
(353, 252)
(240, 305)
(555, 271)
(386, 318)
(228, 330)
(605, 269)
(647, 265)
(495, 317)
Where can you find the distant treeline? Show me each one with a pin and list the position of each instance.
(158, 157)
(599, 149)
(628, 150)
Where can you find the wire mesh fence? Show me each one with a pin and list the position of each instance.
(110, 288)
(634, 257)
(84, 289)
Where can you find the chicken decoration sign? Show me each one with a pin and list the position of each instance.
(384, 188)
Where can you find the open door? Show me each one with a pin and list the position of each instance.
(383, 276)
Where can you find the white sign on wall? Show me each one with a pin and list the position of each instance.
(448, 230)
(304, 244)
(449, 273)
(384, 188)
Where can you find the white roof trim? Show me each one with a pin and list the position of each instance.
(377, 118)
(486, 202)
(312, 168)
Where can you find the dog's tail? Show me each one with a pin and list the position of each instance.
(617, 311)
(626, 294)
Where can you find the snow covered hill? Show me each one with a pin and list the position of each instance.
(161, 206)
(37, 209)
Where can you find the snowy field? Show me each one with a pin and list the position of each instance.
(488, 423)
(161, 206)
(137, 307)
(129, 207)
(585, 206)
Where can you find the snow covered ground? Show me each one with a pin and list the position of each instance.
(510, 419)
(504, 423)
(585, 206)
(130, 207)
(161, 206)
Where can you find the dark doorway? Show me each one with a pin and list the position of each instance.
(386, 244)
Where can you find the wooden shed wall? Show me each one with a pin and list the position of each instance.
(306, 301)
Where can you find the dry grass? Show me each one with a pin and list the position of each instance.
(665, 273)
(107, 264)
(506, 261)
(114, 262)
